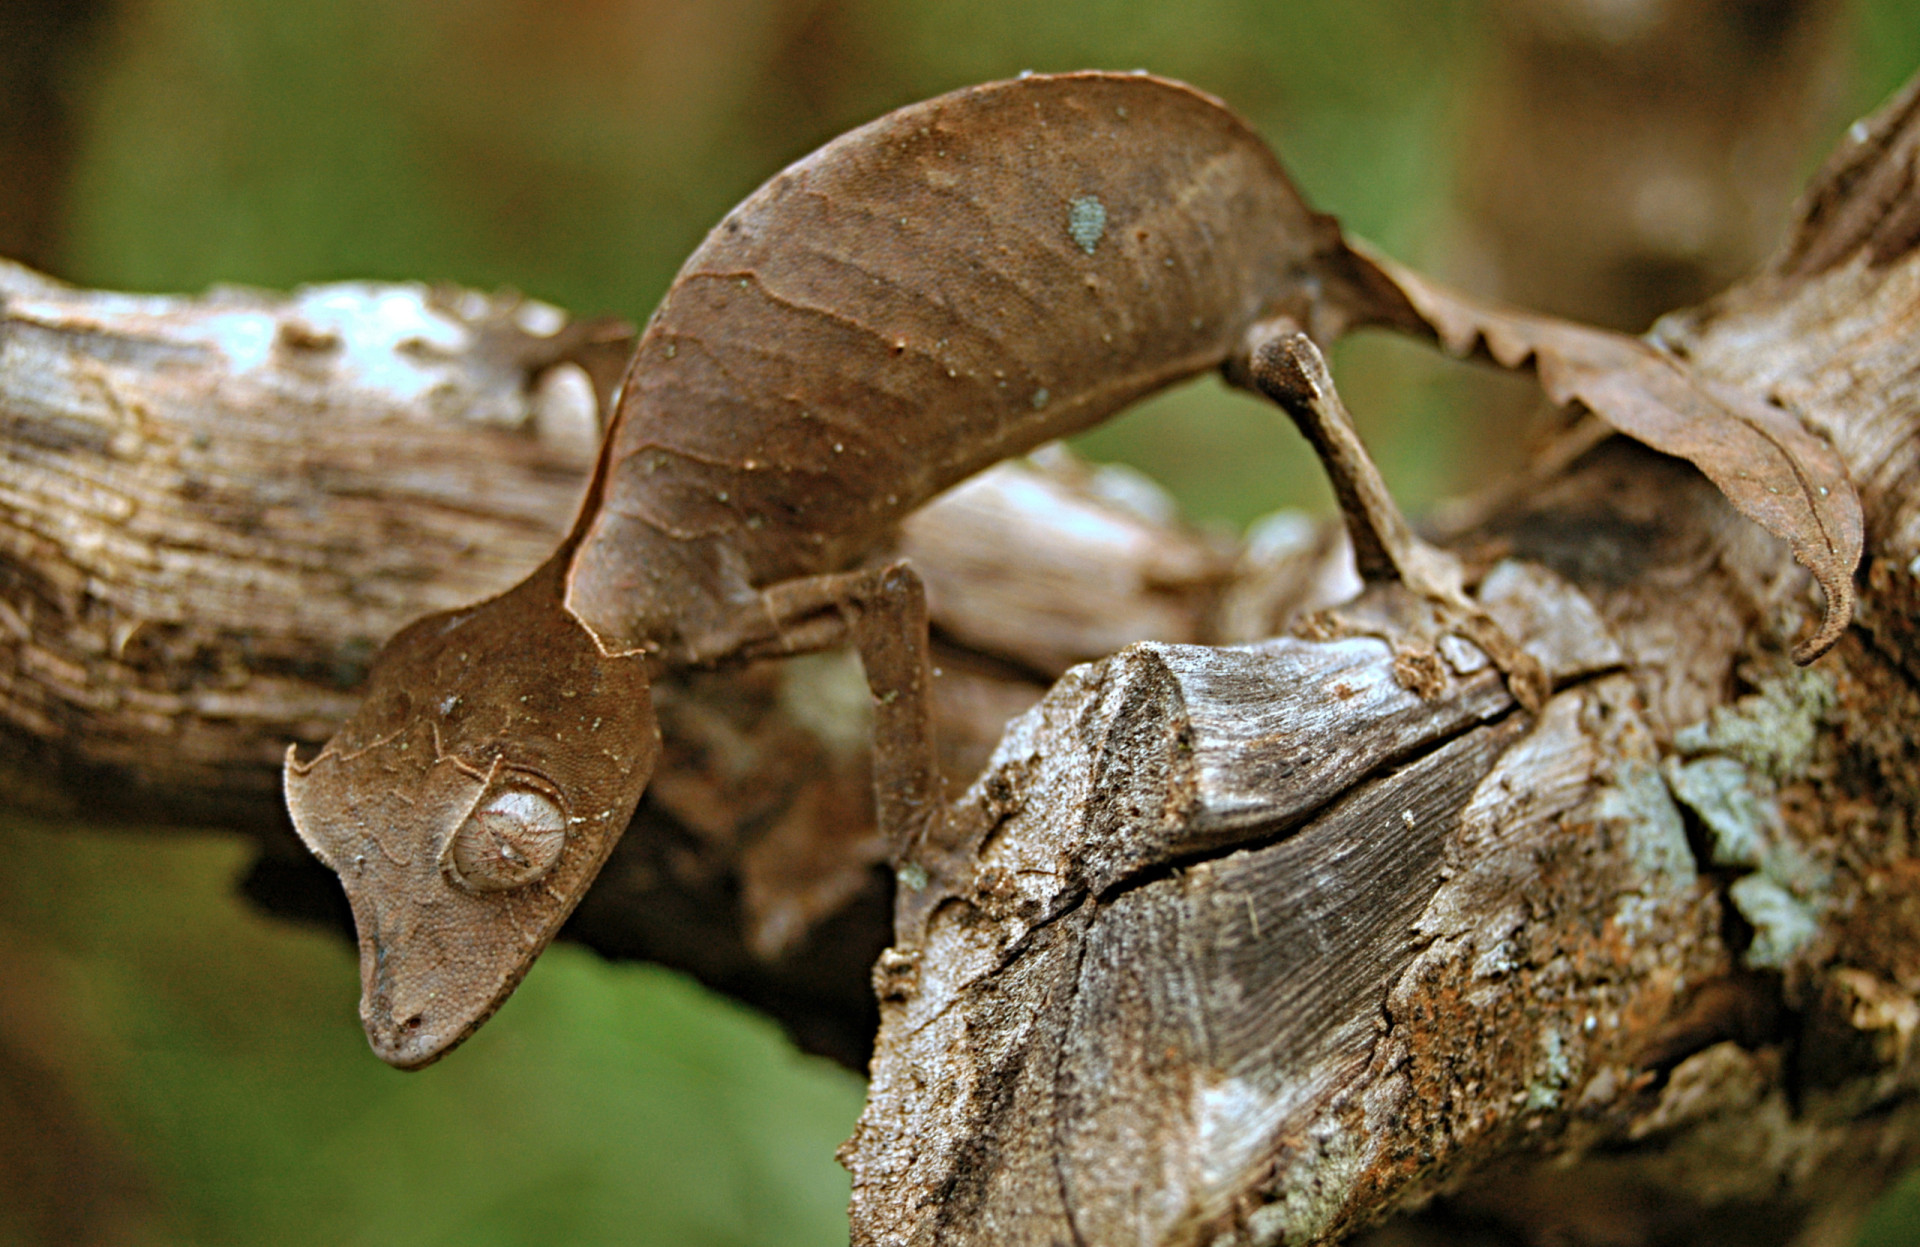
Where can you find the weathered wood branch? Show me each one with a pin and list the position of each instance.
(1225, 945)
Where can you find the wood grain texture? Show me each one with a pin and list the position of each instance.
(1195, 1014)
(216, 510)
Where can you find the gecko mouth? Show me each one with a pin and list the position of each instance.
(417, 1033)
(431, 974)
(406, 1043)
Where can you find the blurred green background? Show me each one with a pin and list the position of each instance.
(177, 1069)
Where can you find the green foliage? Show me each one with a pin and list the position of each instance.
(1895, 1221)
(1887, 39)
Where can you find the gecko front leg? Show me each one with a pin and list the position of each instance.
(883, 611)
(1284, 365)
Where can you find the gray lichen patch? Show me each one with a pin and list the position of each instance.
(1736, 804)
(1651, 830)
(1772, 730)
(1086, 222)
(1314, 1188)
(1741, 823)
(1782, 922)
(1552, 1074)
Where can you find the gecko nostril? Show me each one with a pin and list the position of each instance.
(413, 1023)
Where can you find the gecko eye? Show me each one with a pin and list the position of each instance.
(511, 839)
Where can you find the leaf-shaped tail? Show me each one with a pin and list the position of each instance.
(1773, 469)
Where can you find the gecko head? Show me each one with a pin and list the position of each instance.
(468, 804)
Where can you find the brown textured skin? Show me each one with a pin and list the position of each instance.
(908, 305)
(904, 307)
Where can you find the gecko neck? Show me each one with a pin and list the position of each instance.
(683, 601)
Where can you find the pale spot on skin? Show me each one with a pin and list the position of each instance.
(1086, 222)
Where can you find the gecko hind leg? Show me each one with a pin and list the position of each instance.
(1285, 366)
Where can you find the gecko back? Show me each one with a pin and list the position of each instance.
(952, 284)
